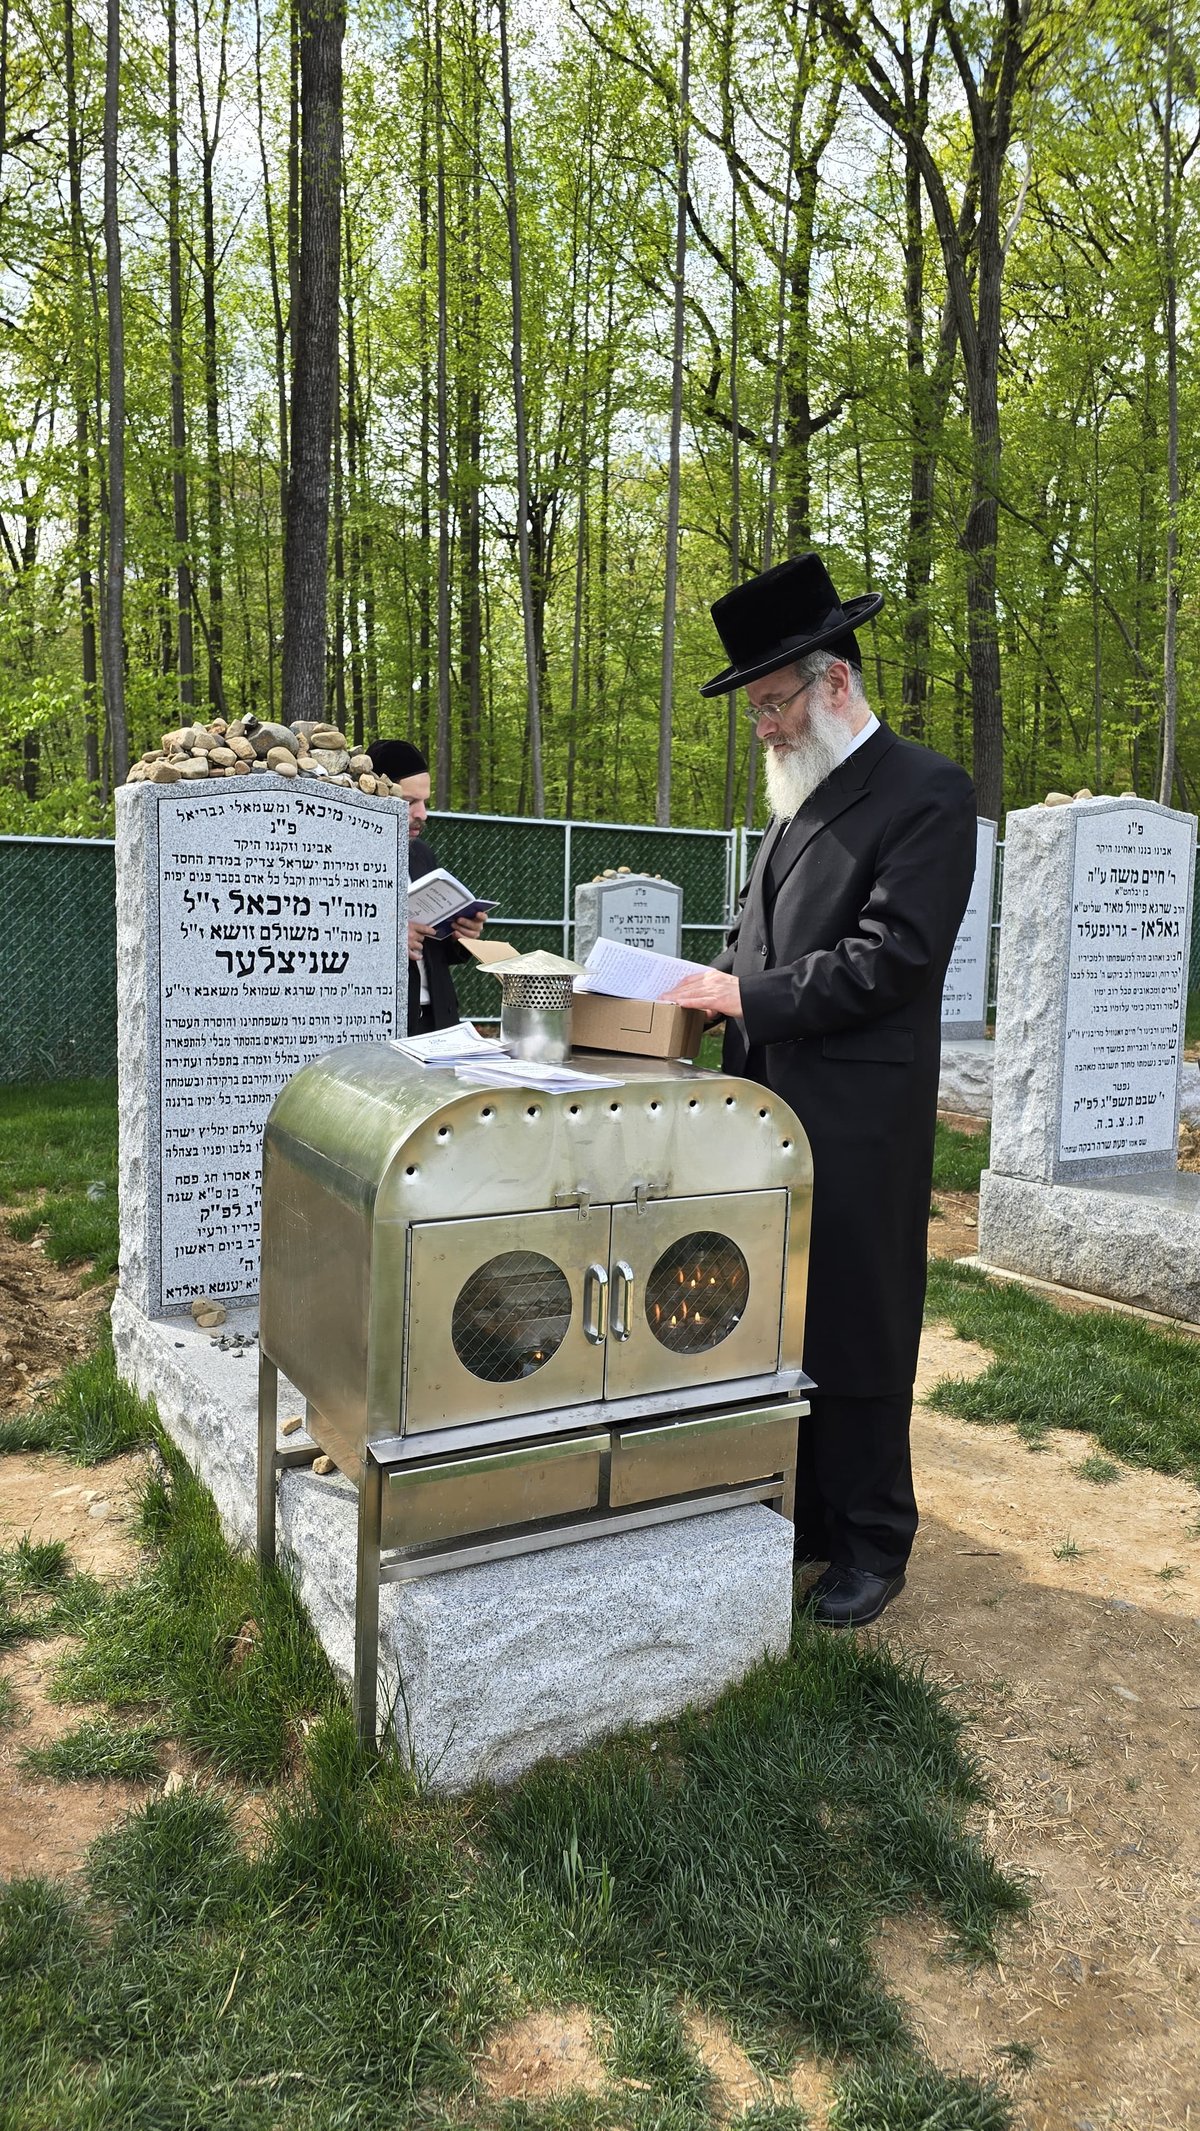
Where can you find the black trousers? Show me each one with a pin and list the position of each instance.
(855, 1505)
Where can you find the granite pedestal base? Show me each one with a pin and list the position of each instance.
(1133, 1239)
(965, 1082)
(486, 1670)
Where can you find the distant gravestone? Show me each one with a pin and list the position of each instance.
(255, 928)
(1084, 1187)
(631, 907)
(965, 992)
(1093, 989)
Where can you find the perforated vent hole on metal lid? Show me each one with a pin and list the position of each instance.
(697, 1292)
(543, 994)
(511, 1316)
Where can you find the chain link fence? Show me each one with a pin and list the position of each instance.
(58, 960)
(58, 937)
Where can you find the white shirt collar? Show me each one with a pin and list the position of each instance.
(860, 739)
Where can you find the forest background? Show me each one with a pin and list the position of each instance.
(631, 301)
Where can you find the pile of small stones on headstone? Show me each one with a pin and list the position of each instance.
(218, 749)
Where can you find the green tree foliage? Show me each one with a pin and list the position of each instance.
(825, 396)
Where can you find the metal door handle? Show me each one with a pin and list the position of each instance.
(622, 1297)
(595, 1304)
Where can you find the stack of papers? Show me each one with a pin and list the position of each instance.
(621, 972)
(452, 1046)
(523, 1073)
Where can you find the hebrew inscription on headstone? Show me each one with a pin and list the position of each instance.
(1126, 987)
(631, 907)
(256, 929)
(1092, 990)
(965, 992)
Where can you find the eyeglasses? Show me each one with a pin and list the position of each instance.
(755, 711)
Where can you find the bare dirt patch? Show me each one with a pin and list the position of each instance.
(47, 1319)
(46, 1826)
(737, 2084)
(954, 1224)
(543, 2056)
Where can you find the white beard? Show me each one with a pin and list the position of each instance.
(794, 772)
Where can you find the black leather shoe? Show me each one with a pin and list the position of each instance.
(851, 1598)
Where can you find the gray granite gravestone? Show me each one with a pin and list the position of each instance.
(1083, 1187)
(965, 992)
(256, 927)
(631, 907)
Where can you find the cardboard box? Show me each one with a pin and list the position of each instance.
(646, 1028)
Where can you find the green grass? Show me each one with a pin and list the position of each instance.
(1137, 1390)
(1193, 1018)
(164, 1643)
(56, 1141)
(99, 1751)
(958, 1158)
(89, 1415)
(341, 1972)
(1100, 1471)
(34, 1568)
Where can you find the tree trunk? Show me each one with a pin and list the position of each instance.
(666, 700)
(314, 376)
(471, 471)
(1166, 772)
(113, 640)
(209, 136)
(973, 258)
(424, 619)
(281, 350)
(443, 763)
(353, 482)
(79, 389)
(179, 475)
(534, 723)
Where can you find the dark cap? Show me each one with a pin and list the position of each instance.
(397, 759)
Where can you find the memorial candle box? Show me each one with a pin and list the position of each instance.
(646, 1028)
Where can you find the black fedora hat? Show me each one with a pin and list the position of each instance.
(782, 615)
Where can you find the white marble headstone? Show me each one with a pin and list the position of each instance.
(965, 992)
(633, 908)
(259, 923)
(1092, 990)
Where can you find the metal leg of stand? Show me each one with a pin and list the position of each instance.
(366, 1602)
(268, 1415)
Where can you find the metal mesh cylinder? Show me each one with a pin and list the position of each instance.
(543, 994)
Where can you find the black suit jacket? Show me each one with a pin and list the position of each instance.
(438, 957)
(846, 927)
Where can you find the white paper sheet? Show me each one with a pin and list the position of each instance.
(621, 972)
(523, 1073)
(447, 1046)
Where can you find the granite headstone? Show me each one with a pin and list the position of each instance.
(965, 992)
(634, 908)
(1092, 991)
(1084, 1188)
(255, 928)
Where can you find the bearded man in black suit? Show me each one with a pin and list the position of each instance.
(830, 987)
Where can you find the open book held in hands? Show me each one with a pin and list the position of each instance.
(437, 899)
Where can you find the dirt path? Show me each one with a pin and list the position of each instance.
(45, 1826)
(1081, 1676)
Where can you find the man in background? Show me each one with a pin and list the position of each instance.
(831, 990)
(432, 1000)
